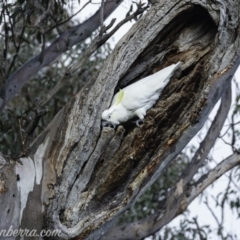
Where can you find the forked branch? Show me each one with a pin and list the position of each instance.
(153, 223)
(65, 41)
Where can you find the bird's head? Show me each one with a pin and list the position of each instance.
(110, 116)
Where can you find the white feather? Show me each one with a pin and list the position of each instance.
(138, 97)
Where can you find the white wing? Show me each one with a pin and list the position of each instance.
(146, 90)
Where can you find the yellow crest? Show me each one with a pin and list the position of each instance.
(119, 97)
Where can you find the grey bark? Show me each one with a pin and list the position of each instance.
(183, 192)
(85, 176)
(150, 225)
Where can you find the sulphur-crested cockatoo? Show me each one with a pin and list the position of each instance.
(135, 99)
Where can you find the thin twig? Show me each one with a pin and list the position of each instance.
(225, 196)
(232, 126)
(33, 125)
(17, 46)
(235, 185)
(65, 21)
(12, 26)
(5, 52)
(212, 212)
(43, 47)
(66, 40)
(96, 43)
(229, 144)
(17, 51)
(101, 18)
(20, 132)
(44, 15)
(99, 42)
(199, 229)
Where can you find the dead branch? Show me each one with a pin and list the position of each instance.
(96, 43)
(153, 223)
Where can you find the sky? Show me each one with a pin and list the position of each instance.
(220, 151)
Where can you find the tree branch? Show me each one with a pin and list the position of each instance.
(153, 223)
(96, 43)
(101, 18)
(45, 14)
(65, 41)
(209, 140)
(174, 201)
(65, 21)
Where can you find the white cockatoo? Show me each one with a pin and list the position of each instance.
(136, 99)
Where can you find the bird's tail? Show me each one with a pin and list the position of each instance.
(170, 70)
(161, 78)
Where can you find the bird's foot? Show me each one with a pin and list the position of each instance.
(139, 122)
(108, 124)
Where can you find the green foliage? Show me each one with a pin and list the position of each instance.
(23, 41)
(187, 230)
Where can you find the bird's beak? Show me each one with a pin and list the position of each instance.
(106, 123)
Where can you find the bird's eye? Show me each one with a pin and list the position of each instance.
(109, 116)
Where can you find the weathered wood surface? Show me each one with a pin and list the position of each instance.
(78, 177)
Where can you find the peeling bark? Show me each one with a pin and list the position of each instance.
(146, 227)
(91, 175)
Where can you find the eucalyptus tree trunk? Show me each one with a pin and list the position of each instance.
(78, 177)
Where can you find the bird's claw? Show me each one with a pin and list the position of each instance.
(139, 122)
(108, 124)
